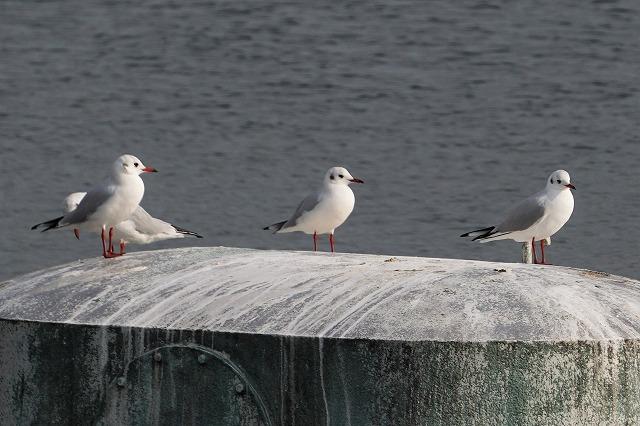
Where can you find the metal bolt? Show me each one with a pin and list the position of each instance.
(239, 388)
(121, 381)
(157, 356)
(202, 359)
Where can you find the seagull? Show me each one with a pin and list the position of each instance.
(108, 204)
(536, 218)
(140, 228)
(324, 210)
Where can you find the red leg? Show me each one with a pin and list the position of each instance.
(542, 250)
(111, 240)
(108, 254)
(331, 243)
(104, 248)
(122, 248)
(315, 242)
(533, 249)
(77, 232)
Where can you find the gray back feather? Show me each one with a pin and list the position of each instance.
(523, 215)
(308, 204)
(149, 225)
(88, 206)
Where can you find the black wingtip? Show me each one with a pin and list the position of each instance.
(50, 224)
(479, 233)
(275, 227)
(186, 232)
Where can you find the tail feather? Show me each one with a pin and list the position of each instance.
(275, 227)
(186, 232)
(490, 237)
(480, 233)
(50, 224)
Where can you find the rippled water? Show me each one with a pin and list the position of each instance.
(449, 110)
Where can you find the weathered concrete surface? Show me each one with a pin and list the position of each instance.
(237, 336)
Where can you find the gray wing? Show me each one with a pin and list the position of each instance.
(88, 206)
(305, 206)
(72, 200)
(523, 215)
(149, 225)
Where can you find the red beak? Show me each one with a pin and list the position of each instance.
(356, 180)
(570, 186)
(149, 170)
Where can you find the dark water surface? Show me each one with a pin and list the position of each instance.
(450, 111)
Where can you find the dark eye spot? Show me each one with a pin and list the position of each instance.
(551, 180)
(125, 164)
(332, 177)
(558, 181)
(135, 164)
(340, 176)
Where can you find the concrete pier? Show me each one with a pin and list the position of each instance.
(229, 336)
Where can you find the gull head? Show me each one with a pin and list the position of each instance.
(130, 165)
(559, 180)
(340, 176)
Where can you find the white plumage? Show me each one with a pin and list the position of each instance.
(537, 217)
(325, 209)
(106, 205)
(140, 228)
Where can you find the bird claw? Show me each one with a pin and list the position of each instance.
(111, 254)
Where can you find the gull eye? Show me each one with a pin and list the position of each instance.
(332, 177)
(136, 165)
(340, 176)
(125, 164)
(558, 181)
